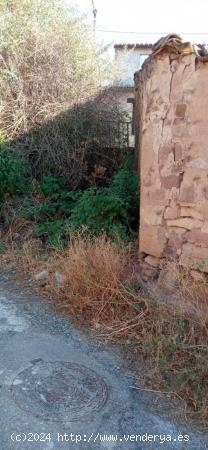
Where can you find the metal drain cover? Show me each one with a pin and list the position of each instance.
(59, 391)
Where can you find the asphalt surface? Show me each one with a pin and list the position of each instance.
(59, 389)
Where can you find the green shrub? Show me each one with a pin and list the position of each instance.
(125, 185)
(55, 232)
(3, 247)
(52, 186)
(58, 201)
(51, 215)
(100, 210)
(113, 210)
(12, 173)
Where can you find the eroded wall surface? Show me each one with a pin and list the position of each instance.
(172, 123)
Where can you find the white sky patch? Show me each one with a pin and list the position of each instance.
(147, 17)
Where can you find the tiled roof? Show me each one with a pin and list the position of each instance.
(131, 46)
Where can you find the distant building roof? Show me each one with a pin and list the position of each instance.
(131, 46)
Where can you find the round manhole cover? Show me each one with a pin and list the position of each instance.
(59, 391)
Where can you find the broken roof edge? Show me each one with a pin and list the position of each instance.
(132, 46)
(173, 43)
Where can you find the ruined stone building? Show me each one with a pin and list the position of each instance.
(172, 126)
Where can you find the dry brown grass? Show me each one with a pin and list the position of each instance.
(98, 289)
(96, 281)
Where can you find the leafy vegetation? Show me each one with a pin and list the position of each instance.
(56, 232)
(55, 116)
(13, 172)
(111, 209)
(2, 246)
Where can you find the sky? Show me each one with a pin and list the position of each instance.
(147, 17)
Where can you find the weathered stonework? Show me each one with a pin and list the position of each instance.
(171, 101)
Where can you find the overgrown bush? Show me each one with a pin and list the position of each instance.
(77, 142)
(49, 61)
(55, 232)
(55, 115)
(112, 209)
(100, 210)
(54, 109)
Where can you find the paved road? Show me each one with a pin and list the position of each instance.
(61, 390)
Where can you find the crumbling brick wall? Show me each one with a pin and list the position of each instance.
(172, 121)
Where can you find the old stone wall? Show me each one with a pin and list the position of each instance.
(171, 96)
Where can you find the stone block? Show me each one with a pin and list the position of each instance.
(59, 279)
(187, 223)
(187, 195)
(40, 276)
(152, 261)
(171, 213)
(178, 231)
(152, 240)
(197, 237)
(187, 211)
